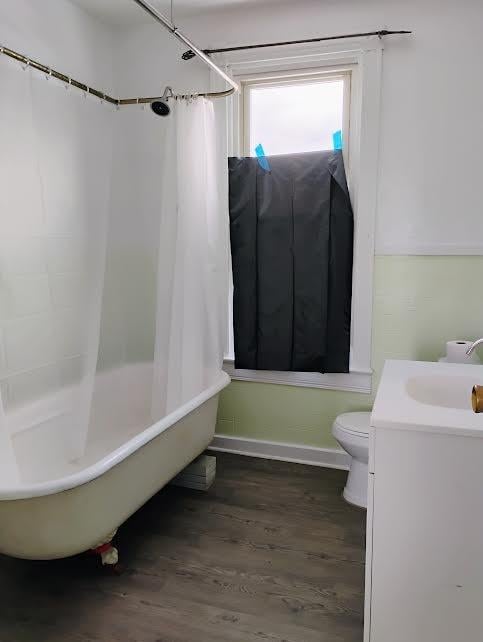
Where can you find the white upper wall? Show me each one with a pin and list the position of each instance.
(432, 97)
(432, 101)
(61, 35)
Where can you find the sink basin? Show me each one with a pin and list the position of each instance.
(445, 391)
(434, 396)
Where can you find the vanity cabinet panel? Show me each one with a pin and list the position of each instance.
(372, 449)
(368, 574)
(424, 575)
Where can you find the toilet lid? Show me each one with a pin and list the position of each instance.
(355, 422)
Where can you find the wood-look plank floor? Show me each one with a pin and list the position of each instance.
(270, 554)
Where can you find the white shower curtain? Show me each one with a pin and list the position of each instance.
(191, 316)
(55, 234)
(55, 159)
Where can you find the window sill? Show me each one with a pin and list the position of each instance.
(354, 381)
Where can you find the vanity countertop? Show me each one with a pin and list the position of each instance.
(428, 396)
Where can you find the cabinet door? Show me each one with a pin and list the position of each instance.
(427, 536)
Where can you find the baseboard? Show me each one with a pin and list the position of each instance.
(310, 455)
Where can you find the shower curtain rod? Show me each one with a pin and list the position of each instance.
(119, 102)
(71, 82)
(195, 51)
(382, 32)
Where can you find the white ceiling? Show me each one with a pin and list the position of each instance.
(127, 12)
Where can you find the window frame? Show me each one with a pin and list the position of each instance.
(285, 78)
(364, 59)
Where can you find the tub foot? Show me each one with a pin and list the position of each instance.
(108, 553)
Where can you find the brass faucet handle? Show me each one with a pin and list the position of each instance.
(477, 398)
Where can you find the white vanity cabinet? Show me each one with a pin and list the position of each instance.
(424, 560)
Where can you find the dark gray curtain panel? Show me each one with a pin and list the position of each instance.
(291, 232)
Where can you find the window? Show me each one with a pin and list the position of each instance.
(295, 114)
(314, 98)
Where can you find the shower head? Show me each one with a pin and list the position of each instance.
(160, 106)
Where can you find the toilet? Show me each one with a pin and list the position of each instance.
(351, 430)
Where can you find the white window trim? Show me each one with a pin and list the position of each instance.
(365, 58)
(315, 75)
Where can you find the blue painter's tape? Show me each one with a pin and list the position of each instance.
(337, 140)
(262, 159)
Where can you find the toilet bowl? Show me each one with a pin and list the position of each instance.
(351, 430)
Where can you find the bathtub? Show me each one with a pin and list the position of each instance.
(61, 507)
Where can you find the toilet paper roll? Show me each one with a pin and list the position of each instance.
(456, 352)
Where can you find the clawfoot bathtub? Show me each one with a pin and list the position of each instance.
(50, 515)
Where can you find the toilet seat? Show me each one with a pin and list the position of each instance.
(354, 423)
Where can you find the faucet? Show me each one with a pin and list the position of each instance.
(477, 392)
(474, 345)
(477, 399)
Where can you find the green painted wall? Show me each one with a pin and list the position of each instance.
(420, 302)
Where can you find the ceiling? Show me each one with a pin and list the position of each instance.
(126, 12)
